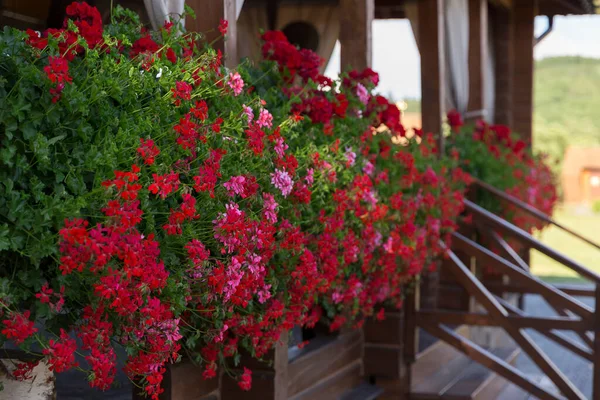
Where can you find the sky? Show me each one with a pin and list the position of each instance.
(396, 58)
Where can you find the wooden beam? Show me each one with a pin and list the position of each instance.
(269, 376)
(558, 337)
(356, 19)
(596, 348)
(431, 47)
(501, 20)
(490, 259)
(208, 16)
(526, 239)
(502, 3)
(478, 37)
(541, 324)
(524, 14)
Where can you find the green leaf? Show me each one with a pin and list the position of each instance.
(4, 237)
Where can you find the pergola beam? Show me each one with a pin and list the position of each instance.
(502, 22)
(524, 15)
(208, 16)
(356, 20)
(431, 47)
(478, 37)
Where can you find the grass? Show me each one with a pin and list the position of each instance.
(584, 223)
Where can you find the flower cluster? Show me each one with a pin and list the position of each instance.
(494, 154)
(391, 199)
(199, 204)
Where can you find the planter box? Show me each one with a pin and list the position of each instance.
(183, 381)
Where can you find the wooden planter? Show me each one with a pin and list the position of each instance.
(327, 367)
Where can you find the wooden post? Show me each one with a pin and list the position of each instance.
(411, 337)
(356, 18)
(431, 47)
(596, 349)
(502, 22)
(269, 380)
(383, 359)
(208, 16)
(478, 37)
(524, 15)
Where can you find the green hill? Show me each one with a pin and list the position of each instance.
(566, 104)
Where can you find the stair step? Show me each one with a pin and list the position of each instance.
(364, 391)
(457, 377)
(436, 355)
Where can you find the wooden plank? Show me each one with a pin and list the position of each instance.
(577, 290)
(483, 357)
(520, 321)
(332, 386)
(495, 383)
(453, 297)
(208, 16)
(557, 337)
(184, 381)
(571, 290)
(383, 361)
(445, 376)
(532, 211)
(431, 48)
(431, 363)
(364, 391)
(478, 37)
(502, 23)
(388, 331)
(269, 380)
(514, 256)
(596, 375)
(356, 19)
(473, 377)
(524, 12)
(325, 361)
(511, 254)
(411, 338)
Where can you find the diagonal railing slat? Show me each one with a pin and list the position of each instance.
(464, 276)
(493, 260)
(485, 358)
(532, 211)
(497, 239)
(506, 227)
(557, 337)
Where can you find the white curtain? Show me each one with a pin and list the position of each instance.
(160, 11)
(456, 36)
(457, 54)
(254, 19)
(412, 14)
(489, 98)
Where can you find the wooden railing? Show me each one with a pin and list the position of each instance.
(572, 314)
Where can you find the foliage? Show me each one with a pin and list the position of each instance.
(154, 199)
(495, 155)
(596, 206)
(565, 105)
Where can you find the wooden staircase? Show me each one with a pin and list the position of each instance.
(441, 372)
